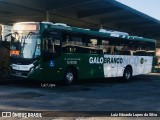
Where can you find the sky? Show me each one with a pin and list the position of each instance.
(149, 7)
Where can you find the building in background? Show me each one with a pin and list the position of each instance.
(4, 46)
(4, 30)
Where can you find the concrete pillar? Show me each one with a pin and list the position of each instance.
(47, 16)
(0, 36)
(101, 26)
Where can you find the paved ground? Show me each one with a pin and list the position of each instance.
(140, 94)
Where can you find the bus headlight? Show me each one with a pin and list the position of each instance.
(37, 67)
(32, 70)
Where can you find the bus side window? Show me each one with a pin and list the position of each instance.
(65, 39)
(57, 47)
(68, 45)
(73, 43)
(49, 44)
(106, 47)
(113, 50)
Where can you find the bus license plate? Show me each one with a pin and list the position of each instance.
(18, 73)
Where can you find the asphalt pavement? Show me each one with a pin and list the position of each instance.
(140, 94)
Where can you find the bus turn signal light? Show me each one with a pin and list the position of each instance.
(14, 52)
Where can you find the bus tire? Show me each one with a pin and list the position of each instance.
(127, 75)
(70, 76)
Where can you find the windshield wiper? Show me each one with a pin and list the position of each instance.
(29, 34)
(10, 34)
(24, 42)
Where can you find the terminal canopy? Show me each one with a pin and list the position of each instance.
(93, 14)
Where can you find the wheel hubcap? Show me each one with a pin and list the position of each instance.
(69, 77)
(128, 74)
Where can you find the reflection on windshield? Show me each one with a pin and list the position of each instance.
(25, 45)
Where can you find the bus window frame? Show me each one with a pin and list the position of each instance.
(72, 35)
(51, 55)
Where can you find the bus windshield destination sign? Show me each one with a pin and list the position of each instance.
(27, 27)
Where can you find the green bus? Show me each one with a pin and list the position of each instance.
(52, 52)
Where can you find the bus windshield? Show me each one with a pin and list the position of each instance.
(25, 45)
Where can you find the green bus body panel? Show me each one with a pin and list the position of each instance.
(79, 61)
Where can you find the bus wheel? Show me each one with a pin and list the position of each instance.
(70, 76)
(127, 75)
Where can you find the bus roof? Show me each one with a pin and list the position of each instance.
(110, 34)
(100, 34)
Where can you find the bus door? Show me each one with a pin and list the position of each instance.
(51, 53)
